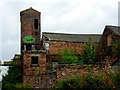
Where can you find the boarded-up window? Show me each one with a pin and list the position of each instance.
(109, 39)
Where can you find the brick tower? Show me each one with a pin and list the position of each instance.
(33, 57)
(30, 29)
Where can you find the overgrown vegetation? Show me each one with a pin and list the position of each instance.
(68, 57)
(12, 77)
(88, 55)
(91, 80)
(22, 85)
(38, 71)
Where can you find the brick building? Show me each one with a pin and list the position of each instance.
(109, 44)
(37, 52)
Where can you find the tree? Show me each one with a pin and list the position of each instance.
(68, 57)
(88, 55)
(12, 77)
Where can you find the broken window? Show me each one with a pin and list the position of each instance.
(36, 24)
(47, 46)
(34, 60)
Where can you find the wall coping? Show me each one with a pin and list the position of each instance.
(35, 51)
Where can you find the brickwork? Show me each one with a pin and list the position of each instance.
(28, 69)
(27, 26)
(64, 71)
(105, 47)
(47, 80)
(109, 39)
(55, 47)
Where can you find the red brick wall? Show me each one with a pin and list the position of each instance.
(27, 25)
(104, 43)
(31, 70)
(42, 81)
(55, 46)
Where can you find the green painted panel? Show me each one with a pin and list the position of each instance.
(29, 39)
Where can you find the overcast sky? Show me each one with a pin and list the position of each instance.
(68, 16)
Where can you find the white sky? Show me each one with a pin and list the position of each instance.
(68, 16)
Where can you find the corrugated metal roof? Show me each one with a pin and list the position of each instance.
(71, 37)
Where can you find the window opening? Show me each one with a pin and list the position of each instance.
(34, 60)
(36, 23)
(47, 46)
(28, 47)
(33, 47)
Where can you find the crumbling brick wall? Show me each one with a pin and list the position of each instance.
(64, 71)
(47, 80)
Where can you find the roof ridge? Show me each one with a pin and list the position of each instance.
(68, 33)
(112, 26)
(30, 9)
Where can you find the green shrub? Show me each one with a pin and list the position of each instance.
(23, 85)
(90, 80)
(38, 71)
(68, 57)
(115, 78)
(88, 55)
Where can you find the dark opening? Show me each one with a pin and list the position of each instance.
(109, 50)
(28, 47)
(36, 23)
(22, 47)
(34, 60)
(36, 33)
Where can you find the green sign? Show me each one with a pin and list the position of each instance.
(29, 39)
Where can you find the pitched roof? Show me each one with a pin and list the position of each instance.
(115, 29)
(71, 37)
(30, 9)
